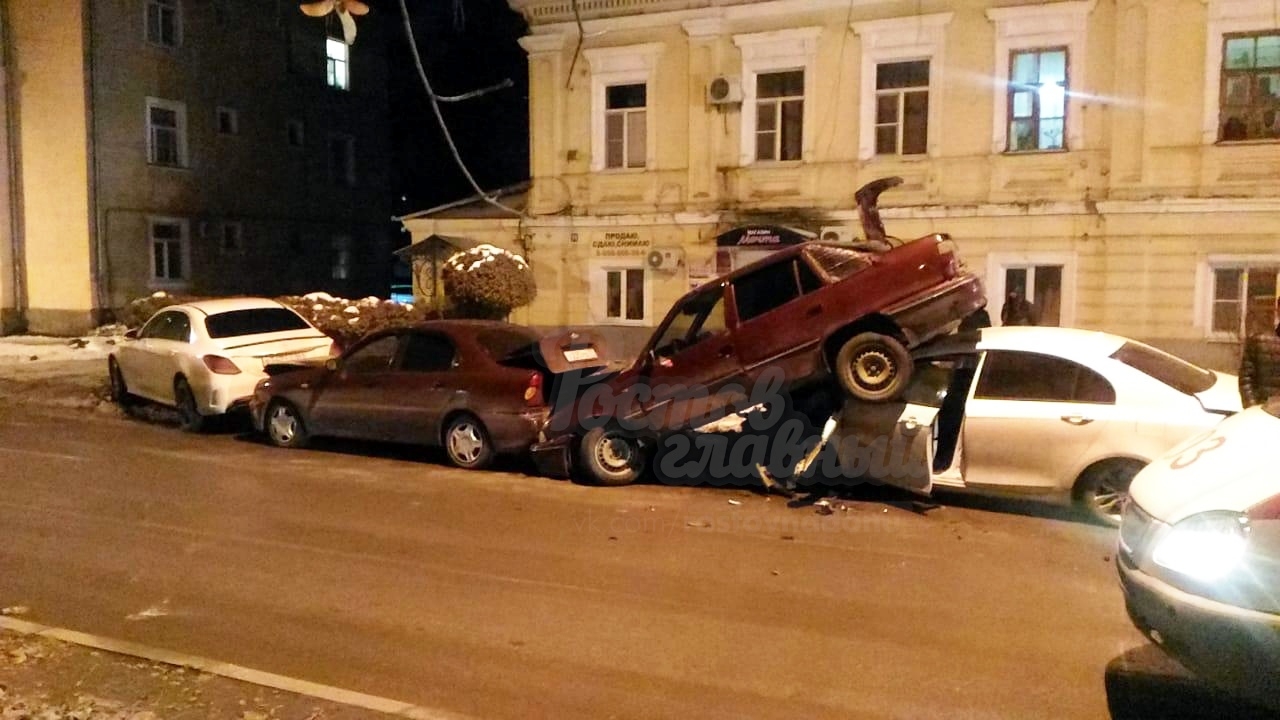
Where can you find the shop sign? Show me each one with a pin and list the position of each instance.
(619, 243)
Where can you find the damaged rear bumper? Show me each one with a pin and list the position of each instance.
(554, 457)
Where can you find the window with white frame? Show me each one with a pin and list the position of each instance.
(296, 133)
(342, 160)
(231, 240)
(624, 290)
(341, 266)
(166, 133)
(1249, 108)
(337, 70)
(779, 110)
(228, 121)
(163, 23)
(169, 253)
(1032, 288)
(903, 60)
(622, 128)
(1040, 70)
(1037, 93)
(777, 71)
(1242, 296)
(625, 134)
(902, 108)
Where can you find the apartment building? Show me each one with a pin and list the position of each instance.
(1117, 161)
(187, 146)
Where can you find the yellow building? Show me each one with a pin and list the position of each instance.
(185, 146)
(1116, 160)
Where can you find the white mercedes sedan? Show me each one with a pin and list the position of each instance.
(205, 358)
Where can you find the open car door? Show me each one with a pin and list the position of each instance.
(887, 444)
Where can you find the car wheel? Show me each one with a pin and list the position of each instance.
(120, 394)
(467, 444)
(189, 417)
(612, 457)
(1104, 487)
(284, 426)
(873, 367)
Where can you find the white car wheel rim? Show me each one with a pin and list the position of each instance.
(465, 443)
(284, 426)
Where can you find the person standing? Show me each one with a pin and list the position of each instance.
(1017, 310)
(1260, 367)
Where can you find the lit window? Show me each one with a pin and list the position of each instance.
(228, 121)
(902, 108)
(168, 251)
(1249, 108)
(624, 294)
(1037, 99)
(342, 160)
(163, 23)
(779, 115)
(166, 133)
(341, 268)
(337, 53)
(296, 133)
(232, 240)
(624, 126)
(1243, 299)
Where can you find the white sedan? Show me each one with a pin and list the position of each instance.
(205, 358)
(1199, 556)
(1042, 411)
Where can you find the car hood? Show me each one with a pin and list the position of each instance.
(286, 376)
(1231, 467)
(1223, 397)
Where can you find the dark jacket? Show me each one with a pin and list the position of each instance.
(1260, 368)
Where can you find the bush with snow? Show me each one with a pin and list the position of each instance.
(487, 282)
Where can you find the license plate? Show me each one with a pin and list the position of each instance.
(581, 355)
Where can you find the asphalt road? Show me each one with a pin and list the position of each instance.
(502, 595)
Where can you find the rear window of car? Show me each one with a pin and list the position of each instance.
(838, 262)
(256, 321)
(1172, 371)
(502, 343)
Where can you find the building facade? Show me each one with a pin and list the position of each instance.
(1116, 161)
(195, 147)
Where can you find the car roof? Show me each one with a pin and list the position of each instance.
(1065, 342)
(221, 305)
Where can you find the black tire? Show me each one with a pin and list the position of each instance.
(1102, 490)
(873, 367)
(283, 425)
(612, 457)
(120, 394)
(467, 443)
(189, 417)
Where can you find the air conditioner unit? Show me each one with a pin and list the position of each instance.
(724, 90)
(838, 234)
(665, 259)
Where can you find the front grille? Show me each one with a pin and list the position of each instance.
(1136, 529)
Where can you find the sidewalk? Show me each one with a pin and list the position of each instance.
(61, 372)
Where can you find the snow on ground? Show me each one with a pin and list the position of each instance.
(26, 349)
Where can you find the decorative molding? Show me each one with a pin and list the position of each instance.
(704, 28)
(622, 65)
(769, 51)
(916, 37)
(624, 58)
(543, 43)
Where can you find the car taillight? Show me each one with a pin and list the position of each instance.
(1268, 509)
(220, 365)
(533, 392)
(950, 255)
(335, 350)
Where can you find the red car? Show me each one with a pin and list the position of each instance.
(809, 312)
(476, 388)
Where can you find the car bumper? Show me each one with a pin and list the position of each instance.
(1235, 648)
(554, 457)
(218, 394)
(941, 311)
(515, 432)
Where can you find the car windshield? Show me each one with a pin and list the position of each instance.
(502, 343)
(1172, 371)
(254, 322)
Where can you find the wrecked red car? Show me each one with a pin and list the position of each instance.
(808, 313)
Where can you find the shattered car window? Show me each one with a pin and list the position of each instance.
(838, 262)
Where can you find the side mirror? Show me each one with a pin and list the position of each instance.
(332, 364)
(131, 335)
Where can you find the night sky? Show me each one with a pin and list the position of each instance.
(466, 45)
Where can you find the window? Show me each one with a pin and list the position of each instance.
(1172, 371)
(257, 321)
(168, 251)
(342, 160)
(1008, 375)
(1243, 298)
(1250, 92)
(700, 317)
(765, 289)
(341, 268)
(624, 126)
(336, 53)
(231, 239)
(427, 353)
(163, 23)
(902, 108)
(373, 357)
(173, 325)
(779, 115)
(228, 121)
(624, 294)
(1037, 100)
(166, 133)
(809, 280)
(1042, 286)
(503, 343)
(838, 262)
(295, 131)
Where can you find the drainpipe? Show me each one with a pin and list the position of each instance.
(17, 291)
(99, 269)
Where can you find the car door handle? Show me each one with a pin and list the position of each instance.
(1076, 419)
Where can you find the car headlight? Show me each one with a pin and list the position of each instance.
(1205, 547)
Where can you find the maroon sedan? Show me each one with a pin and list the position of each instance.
(477, 388)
